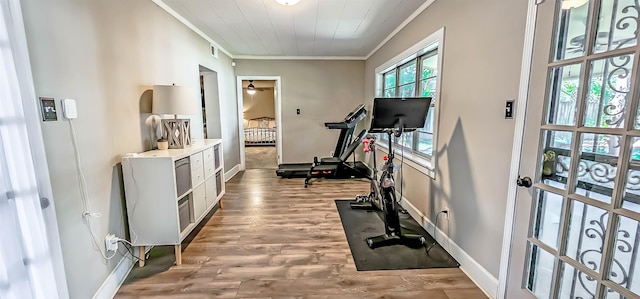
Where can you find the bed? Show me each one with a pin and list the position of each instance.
(260, 131)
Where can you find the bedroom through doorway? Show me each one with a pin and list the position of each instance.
(259, 123)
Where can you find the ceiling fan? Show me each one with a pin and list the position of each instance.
(252, 89)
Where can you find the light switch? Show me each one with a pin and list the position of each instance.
(508, 110)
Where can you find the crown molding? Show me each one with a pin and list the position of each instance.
(262, 57)
(184, 21)
(405, 23)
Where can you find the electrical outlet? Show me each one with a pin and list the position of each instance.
(111, 242)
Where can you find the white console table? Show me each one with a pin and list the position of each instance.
(168, 192)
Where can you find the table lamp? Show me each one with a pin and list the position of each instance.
(176, 100)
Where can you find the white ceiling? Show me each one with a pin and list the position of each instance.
(311, 28)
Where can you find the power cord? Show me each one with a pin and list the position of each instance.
(435, 237)
(87, 214)
(401, 208)
(129, 248)
(135, 203)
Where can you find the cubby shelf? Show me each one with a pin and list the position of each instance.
(168, 192)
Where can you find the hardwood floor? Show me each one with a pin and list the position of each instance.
(276, 239)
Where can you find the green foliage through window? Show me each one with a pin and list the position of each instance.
(406, 81)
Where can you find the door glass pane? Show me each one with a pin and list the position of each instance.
(609, 83)
(540, 272)
(565, 83)
(598, 165)
(556, 158)
(546, 223)
(587, 227)
(611, 294)
(571, 30)
(617, 25)
(631, 198)
(576, 284)
(624, 266)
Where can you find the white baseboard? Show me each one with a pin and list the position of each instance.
(114, 281)
(110, 286)
(478, 274)
(231, 173)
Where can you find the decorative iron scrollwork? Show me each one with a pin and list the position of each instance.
(626, 243)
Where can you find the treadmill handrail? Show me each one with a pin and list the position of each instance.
(340, 125)
(352, 147)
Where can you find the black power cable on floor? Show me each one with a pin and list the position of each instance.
(130, 250)
(435, 240)
(401, 208)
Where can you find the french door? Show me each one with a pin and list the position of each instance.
(577, 229)
(30, 252)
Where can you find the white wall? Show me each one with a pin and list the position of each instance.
(482, 57)
(107, 54)
(324, 91)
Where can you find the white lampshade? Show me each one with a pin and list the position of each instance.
(173, 99)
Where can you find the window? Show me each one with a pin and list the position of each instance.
(414, 73)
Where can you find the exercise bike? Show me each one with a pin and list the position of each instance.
(394, 117)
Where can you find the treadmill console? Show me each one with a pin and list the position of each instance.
(356, 112)
(352, 119)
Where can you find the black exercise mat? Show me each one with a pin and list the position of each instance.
(361, 224)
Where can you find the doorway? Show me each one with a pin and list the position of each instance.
(259, 122)
(576, 229)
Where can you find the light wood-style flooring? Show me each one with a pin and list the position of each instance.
(276, 239)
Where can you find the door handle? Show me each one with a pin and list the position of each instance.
(524, 182)
(44, 203)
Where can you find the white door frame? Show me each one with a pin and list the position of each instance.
(35, 138)
(512, 191)
(278, 111)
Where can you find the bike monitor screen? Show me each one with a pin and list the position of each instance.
(390, 113)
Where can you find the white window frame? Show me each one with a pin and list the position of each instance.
(424, 164)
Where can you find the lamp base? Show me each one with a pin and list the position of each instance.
(177, 132)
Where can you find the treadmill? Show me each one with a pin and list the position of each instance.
(346, 127)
